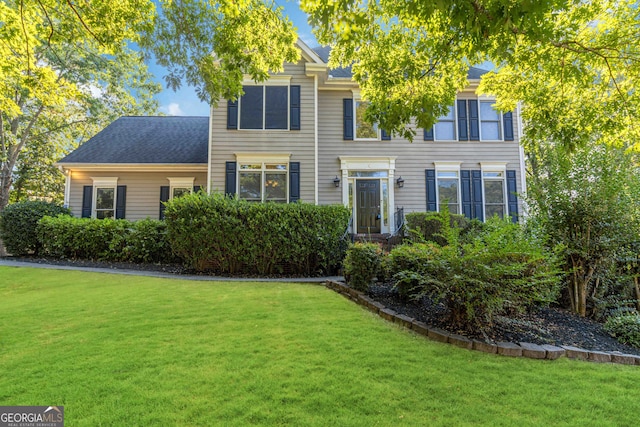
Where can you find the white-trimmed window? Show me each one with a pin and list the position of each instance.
(445, 127)
(448, 186)
(363, 130)
(265, 106)
(494, 191)
(104, 198)
(180, 186)
(263, 178)
(490, 121)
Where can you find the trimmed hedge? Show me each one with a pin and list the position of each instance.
(362, 264)
(105, 239)
(427, 226)
(231, 236)
(18, 223)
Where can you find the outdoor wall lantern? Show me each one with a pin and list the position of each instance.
(336, 181)
(400, 182)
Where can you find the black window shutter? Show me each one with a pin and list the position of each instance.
(87, 199)
(347, 104)
(121, 201)
(474, 121)
(230, 179)
(384, 135)
(428, 134)
(164, 197)
(476, 194)
(294, 108)
(512, 195)
(465, 182)
(463, 134)
(196, 188)
(294, 181)
(232, 114)
(507, 120)
(432, 202)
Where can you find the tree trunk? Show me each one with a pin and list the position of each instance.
(637, 287)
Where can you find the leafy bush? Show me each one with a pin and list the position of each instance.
(500, 270)
(427, 226)
(105, 239)
(362, 264)
(625, 328)
(409, 264)
(18, 224)
(230, 236)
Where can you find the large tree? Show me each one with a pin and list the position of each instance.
(67, 71)
(410, 59)
(212, 45)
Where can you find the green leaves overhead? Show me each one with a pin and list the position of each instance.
(212, 45)
(573, 64)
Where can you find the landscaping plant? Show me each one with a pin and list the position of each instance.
(362, 264)
(18, 223)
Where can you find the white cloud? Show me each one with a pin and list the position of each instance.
(173, 109)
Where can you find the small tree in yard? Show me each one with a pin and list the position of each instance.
(588, 202)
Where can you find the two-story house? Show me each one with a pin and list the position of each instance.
(300, 136)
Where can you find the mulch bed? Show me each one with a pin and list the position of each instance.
(545, 326)
(550, 325)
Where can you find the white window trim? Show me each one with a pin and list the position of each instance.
(448, 167)
(273, 81)
(494, 167)
(104, 182)
(356, 99)
(180, 182)
(263, 159)
(500, 124)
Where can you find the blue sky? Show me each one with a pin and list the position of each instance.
(184, 102)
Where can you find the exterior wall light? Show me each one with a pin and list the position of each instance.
(400, 182)
(336, 181)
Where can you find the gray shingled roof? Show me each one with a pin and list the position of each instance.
(158, 139)
(324, 51)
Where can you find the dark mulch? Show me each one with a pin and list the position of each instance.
(551, 325)
(545, 326)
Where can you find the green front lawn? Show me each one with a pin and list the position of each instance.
(121, 350)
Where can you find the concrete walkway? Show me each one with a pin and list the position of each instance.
(12, 263)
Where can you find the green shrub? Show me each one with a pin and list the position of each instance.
(427, 226)
(231, 236)
(500, 270)
(18, 223)
(105, 239)
(362, 264)
(408, 265)
(625, 328)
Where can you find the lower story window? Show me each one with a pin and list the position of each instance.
(105, 202)
(263, 182)
(494, 194)
(448, 183)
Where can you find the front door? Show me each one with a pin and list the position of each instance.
(368, 206)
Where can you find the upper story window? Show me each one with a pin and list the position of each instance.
(273, 106)
(363, 129)
(489, 122)
(445, 127)
(472, 120)
(354, 124)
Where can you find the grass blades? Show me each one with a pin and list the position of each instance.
(126, 350)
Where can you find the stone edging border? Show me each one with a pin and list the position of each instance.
(523, 349)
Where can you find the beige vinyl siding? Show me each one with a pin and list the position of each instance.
(143, 190)
(412, 157)
(299, 143)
